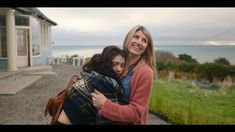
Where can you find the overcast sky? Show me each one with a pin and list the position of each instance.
(167, 25)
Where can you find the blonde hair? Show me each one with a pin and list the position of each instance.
(148, 56)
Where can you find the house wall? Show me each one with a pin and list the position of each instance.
(45, 44)
(3, 60)
(42, 41)
(3, 63)
(43, 59)
(3, 11)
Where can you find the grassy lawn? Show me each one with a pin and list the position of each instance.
(183, 103)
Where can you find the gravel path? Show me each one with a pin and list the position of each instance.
(27, 106)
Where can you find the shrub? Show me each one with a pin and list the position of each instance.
(163, 74)
(187, 58)
(183, 75)
(222, 61)
(213, 71)
(187, 67)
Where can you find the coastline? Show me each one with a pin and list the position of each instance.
(202, 53)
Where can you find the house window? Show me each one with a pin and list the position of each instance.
(35, 37)
(2, 21)
(36, 50)
(21, 21)
(3, 44)
(22, 42)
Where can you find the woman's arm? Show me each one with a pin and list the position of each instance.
(138, 103)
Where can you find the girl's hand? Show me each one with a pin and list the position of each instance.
(98, 99)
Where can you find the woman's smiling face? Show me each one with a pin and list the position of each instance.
(138, 44)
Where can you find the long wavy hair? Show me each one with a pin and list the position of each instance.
(149, 55)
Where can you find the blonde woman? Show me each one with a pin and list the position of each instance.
(137, 80)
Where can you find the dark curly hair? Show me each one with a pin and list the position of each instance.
(102, 63)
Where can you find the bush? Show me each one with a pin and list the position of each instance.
(160, 65)
(164, 74)
(187, 67)
(222, 61)
(213, 71)
(183, 75)
(187, 58)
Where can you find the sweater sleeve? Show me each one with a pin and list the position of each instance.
(141, 86)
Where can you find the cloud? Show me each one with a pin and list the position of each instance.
(72, 37)
(166, 24)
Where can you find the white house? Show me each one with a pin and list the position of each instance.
(25, 38)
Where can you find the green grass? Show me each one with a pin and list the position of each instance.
(183, 103)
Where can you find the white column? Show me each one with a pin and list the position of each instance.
(11, 40)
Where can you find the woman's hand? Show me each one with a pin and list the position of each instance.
(98, 99)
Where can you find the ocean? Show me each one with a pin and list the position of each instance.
(202, 53)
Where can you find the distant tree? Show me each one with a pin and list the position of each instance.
(187, 58)
(222, 61)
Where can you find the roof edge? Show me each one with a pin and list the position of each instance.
(35, 12)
